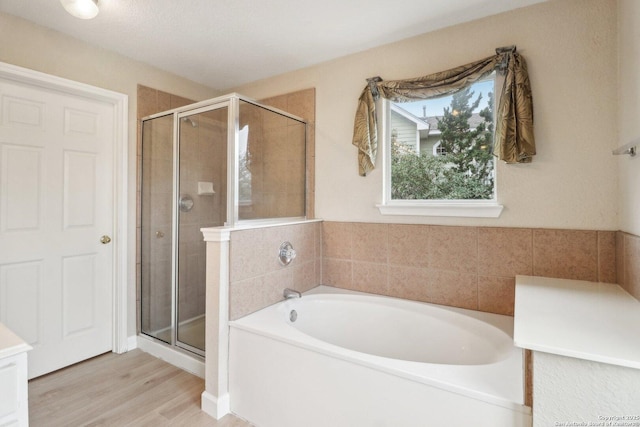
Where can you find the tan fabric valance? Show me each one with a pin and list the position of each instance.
(514, 141)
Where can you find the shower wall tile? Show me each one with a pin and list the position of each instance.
(178, 101)
(275, 158)
(302, 104)
(147, 99)
(161, 177)
(279, 102)
(566, 254)
(163, 102)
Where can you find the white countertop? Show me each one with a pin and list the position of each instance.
(10, 343)
(575, 318)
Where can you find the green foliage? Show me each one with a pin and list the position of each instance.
(464, 172)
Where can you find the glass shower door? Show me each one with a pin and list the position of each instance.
(156, 295)
(202, 202)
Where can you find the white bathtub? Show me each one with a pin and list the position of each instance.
(353, 359)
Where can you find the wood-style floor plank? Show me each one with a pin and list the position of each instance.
(130, 389)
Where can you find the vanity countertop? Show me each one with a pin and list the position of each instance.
(10, 343)
(576, 318)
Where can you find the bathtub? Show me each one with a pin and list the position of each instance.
(354, 359)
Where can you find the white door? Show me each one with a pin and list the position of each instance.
(56, 203)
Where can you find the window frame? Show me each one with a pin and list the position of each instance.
(444, 208)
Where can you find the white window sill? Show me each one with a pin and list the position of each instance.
(458, 208)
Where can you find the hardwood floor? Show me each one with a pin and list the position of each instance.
(130, 389)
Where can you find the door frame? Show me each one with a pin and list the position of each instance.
(120, 102)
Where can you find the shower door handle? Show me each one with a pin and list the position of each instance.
(105, 239)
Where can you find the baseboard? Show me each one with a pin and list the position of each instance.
(171, 355)
(217, 407)
(132, 342)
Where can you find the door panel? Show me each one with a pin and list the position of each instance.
(78, 297)
(56, 201)
(21, 188)
(79, 184)
(20, 288)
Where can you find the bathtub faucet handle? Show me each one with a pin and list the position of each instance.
(286, 253)
(290, 293)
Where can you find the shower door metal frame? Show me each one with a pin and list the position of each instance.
(175, 222)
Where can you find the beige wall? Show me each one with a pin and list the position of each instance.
(629, 113)
(35, 47)
(570, 46)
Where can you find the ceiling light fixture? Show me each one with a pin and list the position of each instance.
(83, 9)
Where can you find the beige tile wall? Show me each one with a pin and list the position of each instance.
(469, 267)
(277, 164)
(257, 278)
(628, 262)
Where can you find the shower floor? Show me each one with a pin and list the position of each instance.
(190, 332)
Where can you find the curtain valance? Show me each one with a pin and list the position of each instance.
(514, 140)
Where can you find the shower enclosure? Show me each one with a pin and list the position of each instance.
(226, 161)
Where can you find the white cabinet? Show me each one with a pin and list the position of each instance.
(14, 405)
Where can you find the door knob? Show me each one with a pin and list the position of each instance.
(105, 239)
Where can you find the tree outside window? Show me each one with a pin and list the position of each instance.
(463, 165)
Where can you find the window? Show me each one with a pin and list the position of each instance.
(244, 171)
(439, 154)
(438, 149)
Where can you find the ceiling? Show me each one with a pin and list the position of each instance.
(226, 43)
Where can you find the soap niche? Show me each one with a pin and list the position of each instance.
(205, 188)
